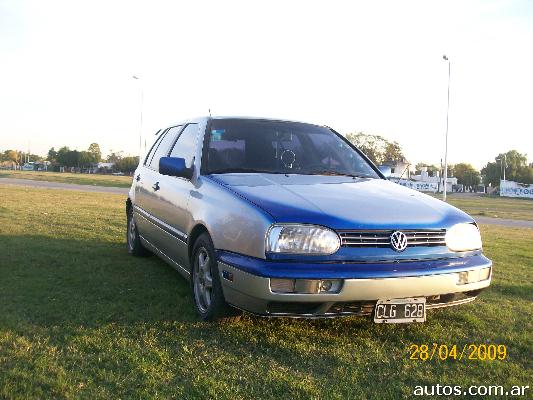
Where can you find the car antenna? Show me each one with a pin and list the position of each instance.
(209, 111)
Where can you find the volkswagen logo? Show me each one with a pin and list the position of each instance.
(398, 241)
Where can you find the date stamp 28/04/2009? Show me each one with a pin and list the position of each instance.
(468, 351)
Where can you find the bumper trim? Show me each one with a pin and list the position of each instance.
(252, 293)
(350, 270)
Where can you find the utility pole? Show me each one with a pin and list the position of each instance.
(446, 142)
(141, 116)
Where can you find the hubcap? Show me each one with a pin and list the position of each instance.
(203, 280)
(131, 232)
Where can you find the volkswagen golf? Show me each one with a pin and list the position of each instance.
(282, 218)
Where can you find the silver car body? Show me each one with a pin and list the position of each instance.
(170, 218)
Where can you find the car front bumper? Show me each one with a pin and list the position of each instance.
(437, 280)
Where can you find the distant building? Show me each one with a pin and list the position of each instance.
(104, 167)
(404, 173)
(451, 182)
(107, 165)
(400, 169)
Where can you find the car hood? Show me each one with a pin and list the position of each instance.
(342, 202)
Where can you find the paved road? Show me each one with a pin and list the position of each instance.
(515, 223)
(59, 185)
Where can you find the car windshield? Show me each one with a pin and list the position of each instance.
(275, 147)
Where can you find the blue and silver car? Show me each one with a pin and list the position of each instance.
(282, 218)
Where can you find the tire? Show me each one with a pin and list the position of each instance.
(135, 247)
(205, 284)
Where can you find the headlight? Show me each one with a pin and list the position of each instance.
(301, 239)
(463, 237)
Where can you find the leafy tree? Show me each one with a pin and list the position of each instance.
(515, 166)
(431, 169)
(126, 164)
(114, 156)
(376, 147)
(466, 174)
(34, 158)
(12, 155)
(68, 158)
(94, 149)
(61, 155)
(52, 155)
(86, 159)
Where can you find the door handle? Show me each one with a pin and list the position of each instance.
(138, 178)
(156, 187)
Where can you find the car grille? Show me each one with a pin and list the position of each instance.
(381, 238)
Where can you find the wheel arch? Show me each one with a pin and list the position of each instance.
(198, 230)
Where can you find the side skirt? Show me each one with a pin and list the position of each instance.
(183, 272)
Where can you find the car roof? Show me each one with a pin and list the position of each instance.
(206, 118)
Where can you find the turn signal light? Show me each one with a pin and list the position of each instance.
(473, 276)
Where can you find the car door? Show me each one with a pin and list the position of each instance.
(147, 190)
(175, 193)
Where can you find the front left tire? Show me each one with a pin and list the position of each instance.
(206, 286)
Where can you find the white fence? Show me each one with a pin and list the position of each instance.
(420, 186)
(515, 189)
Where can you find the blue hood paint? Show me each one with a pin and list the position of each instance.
(342, 202)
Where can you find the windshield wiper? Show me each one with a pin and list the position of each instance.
(335, 173)
(244, 170)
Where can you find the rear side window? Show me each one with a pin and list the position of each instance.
(163, 147)
(186, 144)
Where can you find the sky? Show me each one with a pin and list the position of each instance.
(66, 71)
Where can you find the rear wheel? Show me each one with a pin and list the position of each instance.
(205, 283)
(135, 246)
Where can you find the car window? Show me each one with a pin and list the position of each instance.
(185, 146)
(150, 153)
(163, 146)
(240, 146)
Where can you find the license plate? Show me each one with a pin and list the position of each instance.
(395, 311)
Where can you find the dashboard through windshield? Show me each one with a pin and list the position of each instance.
(277, 147)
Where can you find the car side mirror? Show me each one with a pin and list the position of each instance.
(173, 166)
(385, 170)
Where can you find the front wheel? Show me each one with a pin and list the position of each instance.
(205, 283)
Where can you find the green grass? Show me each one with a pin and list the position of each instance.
(494, 206)
(65, 177)
(79, 318)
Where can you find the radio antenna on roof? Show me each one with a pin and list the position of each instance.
(209, 112)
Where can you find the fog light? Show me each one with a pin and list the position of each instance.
(476, 275)
(305, 286)
(325, 286)
(331, 286)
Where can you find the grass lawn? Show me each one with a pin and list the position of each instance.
(497, 207)
(79, 318)
(65, 177)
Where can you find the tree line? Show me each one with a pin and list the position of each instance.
(81, 160)
(382, 151)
